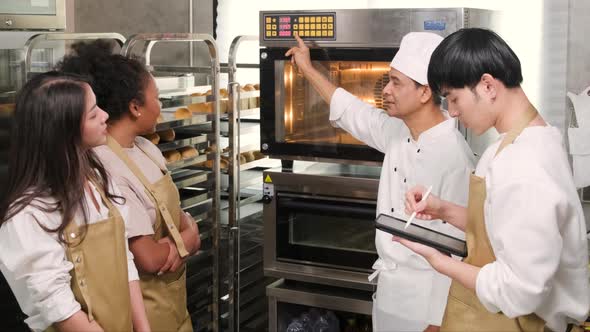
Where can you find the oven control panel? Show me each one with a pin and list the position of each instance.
(313, 26)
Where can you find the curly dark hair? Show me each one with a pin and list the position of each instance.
(115, 79)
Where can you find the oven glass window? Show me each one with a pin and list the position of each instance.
(326, 233)
(332, 232)
(305, 116)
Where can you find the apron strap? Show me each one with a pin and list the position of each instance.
(521, 123)
(157, 162)
(118, 150)
(72, 226)
(113, 212)
(164, 212)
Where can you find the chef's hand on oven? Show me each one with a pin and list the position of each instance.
(425, 210)
(300, 55)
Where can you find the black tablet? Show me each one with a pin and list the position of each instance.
(417, 233)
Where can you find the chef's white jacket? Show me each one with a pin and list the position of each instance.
(409, 290)
(34, 262)
(536, 226)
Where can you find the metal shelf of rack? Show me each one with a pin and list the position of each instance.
(251, 112)
(180, 143)
(192, 177)
(243, 259)
(199, 188)
(169, 121)
(188, 162)
(263, 162)
(190, 196)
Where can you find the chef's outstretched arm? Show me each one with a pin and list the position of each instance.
(301, 58)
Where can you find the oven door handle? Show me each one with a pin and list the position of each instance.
(302, 205)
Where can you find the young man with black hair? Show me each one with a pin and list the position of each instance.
(527, 263)
(421, 145)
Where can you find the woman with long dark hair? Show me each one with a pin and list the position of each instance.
(64, 251)
(161, 236)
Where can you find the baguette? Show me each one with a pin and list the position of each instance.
(258, 155)
(167, 135)
(153, 137)
(200, 108)
(172, 156)
(188, 152)
(249, 156)
(182, 113)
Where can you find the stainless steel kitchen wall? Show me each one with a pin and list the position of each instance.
(141, 16)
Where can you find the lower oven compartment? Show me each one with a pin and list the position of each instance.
(319, 224)
(295, 304)
(325, 232)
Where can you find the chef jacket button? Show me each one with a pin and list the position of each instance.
(395, 169)
(408, 140)
(404, 180)
(392, 210)
(418, 151)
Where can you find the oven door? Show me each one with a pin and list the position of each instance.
(325, 231)
(295, 119)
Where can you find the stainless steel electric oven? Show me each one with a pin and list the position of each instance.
(319, 223)
(353, 48)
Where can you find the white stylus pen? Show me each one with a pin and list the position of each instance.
(424, 197)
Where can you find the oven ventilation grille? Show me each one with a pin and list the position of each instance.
(378, 91)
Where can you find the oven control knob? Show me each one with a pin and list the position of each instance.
(264, 146)
(266, 199)
(263, 55)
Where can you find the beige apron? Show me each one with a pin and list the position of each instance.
(464, 311)
(164, 295)
(100, 281)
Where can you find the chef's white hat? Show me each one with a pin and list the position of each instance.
(414, 53)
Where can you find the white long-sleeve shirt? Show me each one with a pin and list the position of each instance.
(35, 266)
(536, 226)
(441, 158)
